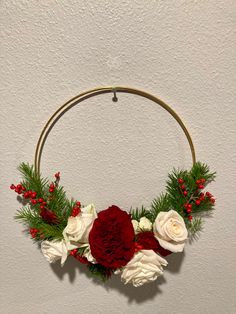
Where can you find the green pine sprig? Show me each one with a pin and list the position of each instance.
(57, 203)
(138, 213)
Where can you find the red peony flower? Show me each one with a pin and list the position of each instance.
(147, 241)
(111, 238)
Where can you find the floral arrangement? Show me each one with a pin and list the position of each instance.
(133, 244)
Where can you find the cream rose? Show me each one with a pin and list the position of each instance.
(144, 267)
(170, 230)
(54, 250)
(89, 256)
(145, 224)
(135, 224)
(77, 230)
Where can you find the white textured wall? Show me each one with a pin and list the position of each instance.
(181, 51)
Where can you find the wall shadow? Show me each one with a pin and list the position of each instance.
(73, 268)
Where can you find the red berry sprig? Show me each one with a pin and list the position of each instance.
(57, 176)
(76, 209)
(51, 188)
(182, 187)
(74, 252)
(200, 183)
(18, 189)
(33, 232)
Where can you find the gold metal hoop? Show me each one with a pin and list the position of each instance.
(94, 92)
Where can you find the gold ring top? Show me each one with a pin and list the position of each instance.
(94, 92)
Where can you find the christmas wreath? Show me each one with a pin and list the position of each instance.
(133, 244)
(114, 241)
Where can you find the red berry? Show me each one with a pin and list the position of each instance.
(19, 186)
(189, 210)
(33, 195)
(78, 204)
(208, 194)
(198, 182)
(19, 191)
(181, 181)
(33, 232)
(201, 186)
(57, 175)
(75, 212)
(212, 201)
(73, 252)
(197, 202)
(203, 180)
(44, 203)
(23, 188)
(190, 217)
(186, 205)
(182, 187)
(12, 187)
(26, 195)
(202, 198)
(185, 193)
(30, 193)
(189, 206)
(33, 201)
(51, 190)
(40, 200)
(41, 207)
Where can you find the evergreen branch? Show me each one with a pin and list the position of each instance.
(32, 180)
(194, 228)
(33, 220)
(28, 217)
(159, 204)
(138, 213)
(51, 232)
(201, 170)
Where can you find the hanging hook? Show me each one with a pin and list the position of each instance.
(114, 98)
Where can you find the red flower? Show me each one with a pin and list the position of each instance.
(147, 241)
(111, 238)
(48, 216)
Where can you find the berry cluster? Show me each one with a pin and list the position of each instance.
(42, 203)
(75, 254)
(196, 198)
(182, 187)
(34, 232)
(205, 197)
(76, 209)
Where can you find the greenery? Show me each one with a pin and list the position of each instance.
(57, 203)
(46, 215)
(175, 199)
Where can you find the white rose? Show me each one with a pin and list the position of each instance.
(78, 228)
(145, 224)
(54, 250)
(144, 267)
(89, 256)
(170, 230)
(135, 224)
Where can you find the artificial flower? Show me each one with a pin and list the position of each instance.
(77, 230)
(170, 230)
(111, 238)
(147, 241)
(54, 250)
(144, 267)
(145, 224)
